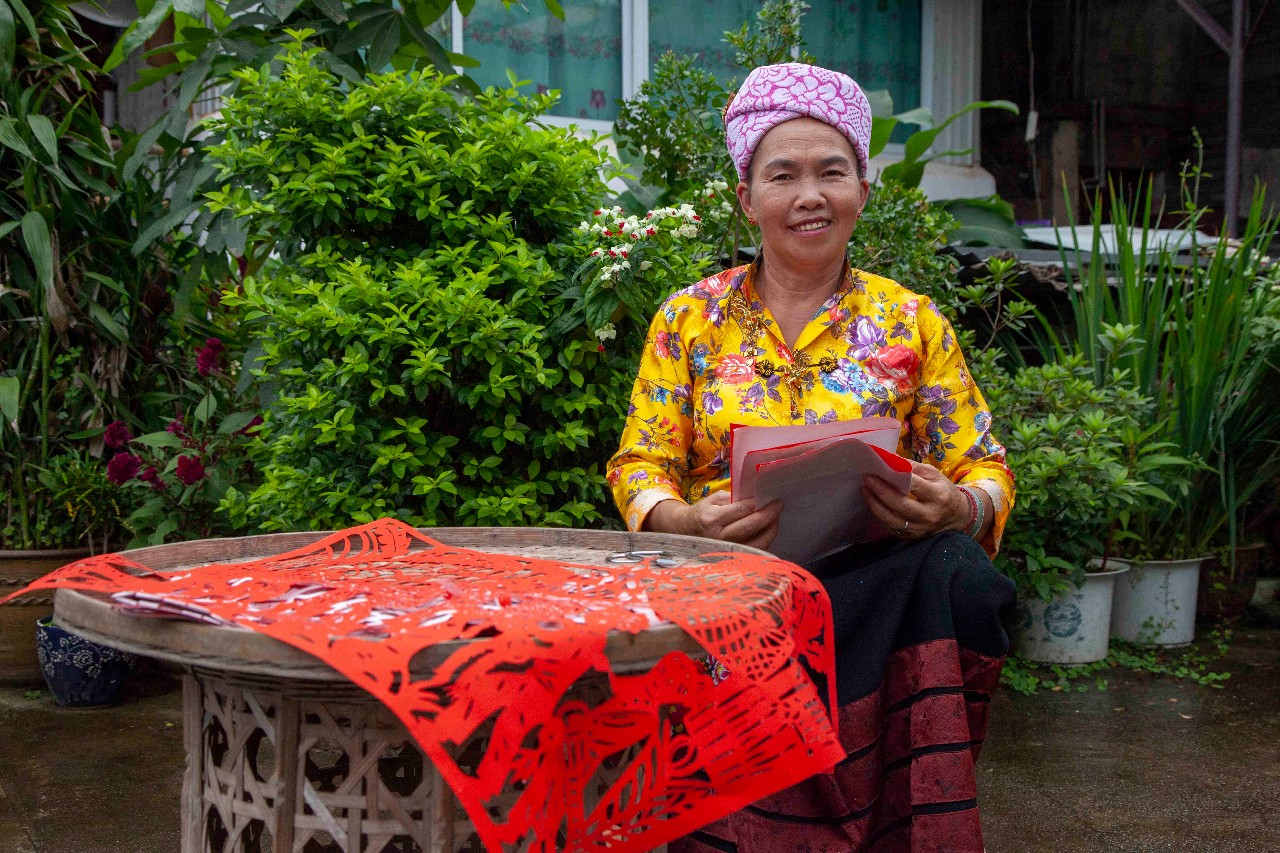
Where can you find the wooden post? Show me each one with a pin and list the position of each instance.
(1064, 172)
(192, 778)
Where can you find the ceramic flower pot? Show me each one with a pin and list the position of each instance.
(1225, 594)
(1075, 627)
(80, 673)
(18, 664)
(1155, 603)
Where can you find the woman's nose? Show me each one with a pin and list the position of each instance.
(808, 193)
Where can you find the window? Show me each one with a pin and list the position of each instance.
(581, 55)
(921, 51)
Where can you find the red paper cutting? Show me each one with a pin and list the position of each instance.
(700, 741)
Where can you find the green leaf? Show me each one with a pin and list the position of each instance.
(29, 22)
(35, 234)
(163, 438)
(334, 10)
(555, 8)
(10, 393)
(138, 33)
(108, 323)
(462, 60)
(881, 130)
(10, 139)
(8, 40)
(465, 6)
(205, 409)
(235, 422)
(383, 44)
(42, 129)
(284, 8)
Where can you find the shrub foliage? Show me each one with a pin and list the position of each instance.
(407, 358)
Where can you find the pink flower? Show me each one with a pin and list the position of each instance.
(117, 435)
(207, 356)
(910, 308)
(123, 467)
(661, 344)
(735, 369)
(895, 365)
(190, 470)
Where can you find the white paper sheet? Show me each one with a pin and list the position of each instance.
(780, 442)
(821, 493)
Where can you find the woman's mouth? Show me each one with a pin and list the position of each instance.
(807, 227)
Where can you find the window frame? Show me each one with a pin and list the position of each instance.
(950, 66)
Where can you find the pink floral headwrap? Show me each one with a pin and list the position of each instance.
(772, 94)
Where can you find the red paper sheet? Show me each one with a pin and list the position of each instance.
(367, 599)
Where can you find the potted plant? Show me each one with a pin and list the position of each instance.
(1192, 333)
(89, 269)
(1085, 464)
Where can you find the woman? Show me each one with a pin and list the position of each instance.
(799, 337)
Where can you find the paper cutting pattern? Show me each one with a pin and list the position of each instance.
(686, 742)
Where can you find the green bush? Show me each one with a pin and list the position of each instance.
(406, 349)
(1086, 463)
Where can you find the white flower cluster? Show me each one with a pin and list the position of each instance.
(608, 222)
(607, 332)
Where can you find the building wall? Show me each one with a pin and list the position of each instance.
(1119, 85)
(1260, 128)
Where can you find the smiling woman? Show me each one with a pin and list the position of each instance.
(801, 337)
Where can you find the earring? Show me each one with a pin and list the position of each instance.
(751, 220)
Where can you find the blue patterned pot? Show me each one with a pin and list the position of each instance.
(80, 673)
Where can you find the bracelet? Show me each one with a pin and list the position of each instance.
(977, 513)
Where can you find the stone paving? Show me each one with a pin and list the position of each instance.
(1151, 764)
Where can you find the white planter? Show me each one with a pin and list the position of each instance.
(1155, 603)
(1075, 627)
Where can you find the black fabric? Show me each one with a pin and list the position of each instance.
(919, 645)
(884, 596)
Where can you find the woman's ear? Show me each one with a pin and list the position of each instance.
(744, 199)
(866, 194)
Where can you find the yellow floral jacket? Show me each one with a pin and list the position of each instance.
(714, 357)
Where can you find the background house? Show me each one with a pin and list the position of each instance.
(1118, 86)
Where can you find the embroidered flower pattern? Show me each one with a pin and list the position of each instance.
(715, 359)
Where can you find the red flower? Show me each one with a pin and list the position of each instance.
(251, 425)
(123, 467)
(600, 348)
(117, 435)
(178, 428)
(734, 369)
(151, 476)
(190, 470)
(207, 356)
(895, 365)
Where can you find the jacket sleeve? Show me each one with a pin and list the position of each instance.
(652, 461)
(951, 424)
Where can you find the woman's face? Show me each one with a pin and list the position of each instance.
(805, 193)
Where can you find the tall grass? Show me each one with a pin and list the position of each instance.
(1186, 331)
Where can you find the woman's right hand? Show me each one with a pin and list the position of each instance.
(715, 517)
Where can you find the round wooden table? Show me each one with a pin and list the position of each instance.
(285, 754)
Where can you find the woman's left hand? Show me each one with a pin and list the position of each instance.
(932, 505)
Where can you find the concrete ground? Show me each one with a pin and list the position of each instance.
(1151, 764)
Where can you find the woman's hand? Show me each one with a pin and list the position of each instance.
(932, 505)
(716, 518)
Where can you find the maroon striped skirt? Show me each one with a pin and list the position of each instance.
(919, 646)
